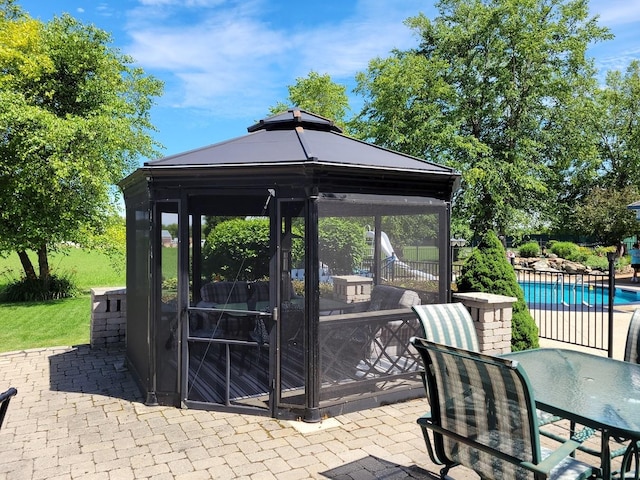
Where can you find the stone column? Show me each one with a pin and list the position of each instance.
(108, 316)
(492, 318)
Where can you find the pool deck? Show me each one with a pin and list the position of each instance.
(78, 415)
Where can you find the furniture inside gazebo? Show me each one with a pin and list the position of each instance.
(314, 317)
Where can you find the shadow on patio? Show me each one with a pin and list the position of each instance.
(374, 467)
(83, 369)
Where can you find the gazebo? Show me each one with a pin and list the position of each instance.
(299, 253)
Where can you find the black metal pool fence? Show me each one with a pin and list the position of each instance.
(574, 308)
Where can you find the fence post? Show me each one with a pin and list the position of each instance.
(611, 256)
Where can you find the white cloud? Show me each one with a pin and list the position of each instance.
(622, 18)
(616, 12)
(183, 3)
(234, 56)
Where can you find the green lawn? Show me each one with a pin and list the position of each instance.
(60, 322)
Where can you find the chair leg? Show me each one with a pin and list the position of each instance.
(430, 450)
(631, 458)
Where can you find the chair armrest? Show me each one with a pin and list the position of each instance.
(555, 457)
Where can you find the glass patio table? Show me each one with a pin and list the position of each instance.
(594, 391)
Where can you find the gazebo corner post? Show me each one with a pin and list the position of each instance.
(182, 314)
(446, 249)
(377, 250)
(312, 340)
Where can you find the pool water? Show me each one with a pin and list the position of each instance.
(572, 294)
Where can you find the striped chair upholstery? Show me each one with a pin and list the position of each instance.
(221, 294)
(484, 417)
(259, 291)
(451, 324)
(448, 323)
(632, 347)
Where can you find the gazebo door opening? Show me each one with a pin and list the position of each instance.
(227, 347)
(291, 325)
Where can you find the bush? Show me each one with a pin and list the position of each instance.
(597, 263)
(37, 289)
(529, 250)
(237, 248)
(342, 244)
(566, 250)
(488, 270)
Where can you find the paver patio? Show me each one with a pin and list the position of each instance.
(79, 415)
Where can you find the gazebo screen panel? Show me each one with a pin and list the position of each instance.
(138, 286)
(379, 255)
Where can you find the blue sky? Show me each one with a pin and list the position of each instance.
(225, 62)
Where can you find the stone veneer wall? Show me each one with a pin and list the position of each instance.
(492, 318)
(108, 316)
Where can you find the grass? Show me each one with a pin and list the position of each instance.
(60, 322)
(45, 324)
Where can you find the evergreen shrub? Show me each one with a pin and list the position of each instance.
(342, 244)
(237, 249)
(488, 270)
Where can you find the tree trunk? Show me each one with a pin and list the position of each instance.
(43, 262)
(27, 266)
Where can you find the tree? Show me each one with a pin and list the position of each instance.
(487, 91)
(318, 94)
(74, 119)
(618, 124)
(595, 186)
(603, 214)
(488, 270)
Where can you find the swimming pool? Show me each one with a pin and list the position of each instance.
(566, 293)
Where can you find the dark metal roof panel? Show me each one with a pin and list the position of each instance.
(298, 145)
(260, 147)
(339, 149)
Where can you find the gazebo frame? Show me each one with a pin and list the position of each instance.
(300, 172)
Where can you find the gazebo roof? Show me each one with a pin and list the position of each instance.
(297, 137)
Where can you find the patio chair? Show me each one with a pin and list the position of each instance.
(221, 294)
(632, 346)
(483, 416)
(5, 398)
(451, 324)
(448, 323)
